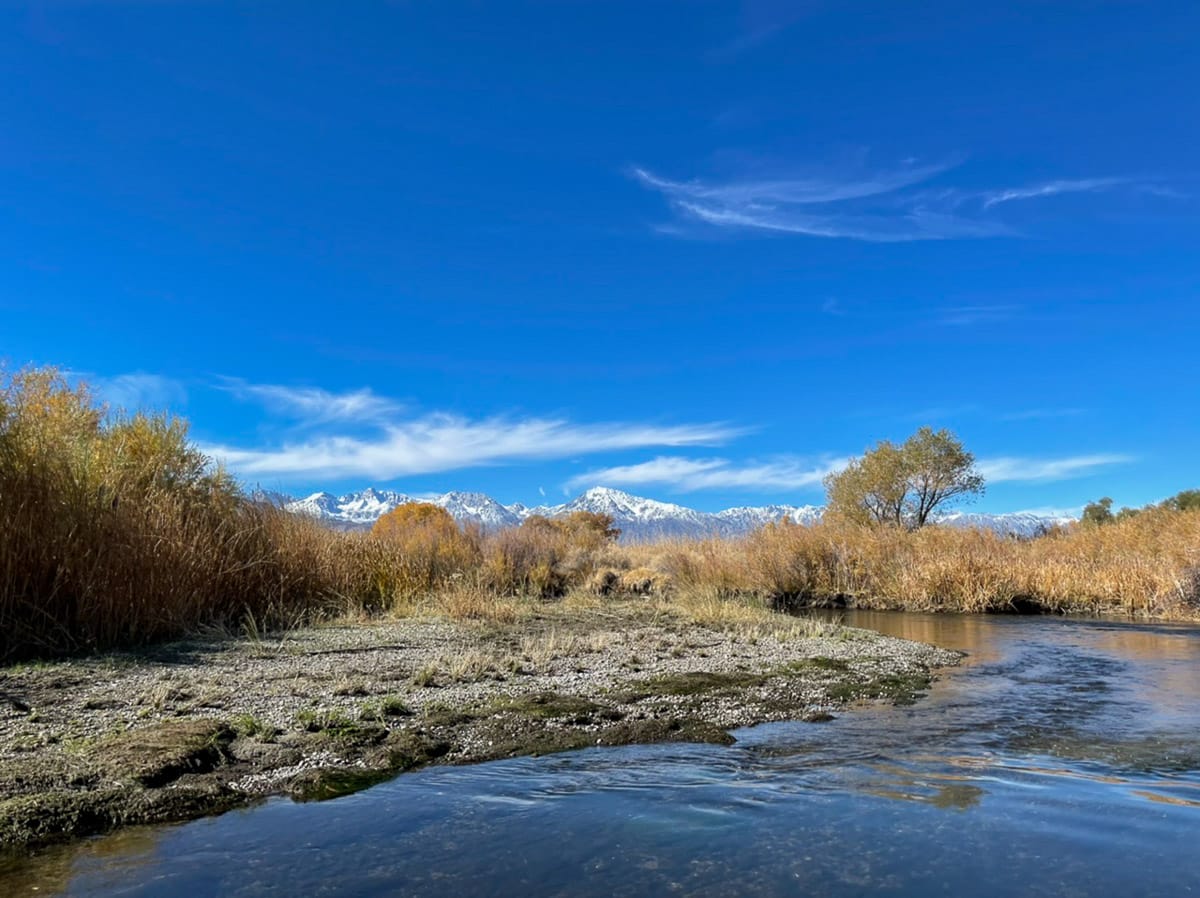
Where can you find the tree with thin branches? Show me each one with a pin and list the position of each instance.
(904, 485)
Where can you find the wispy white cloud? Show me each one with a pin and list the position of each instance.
(1050, 188)
(316, 406)
(1012, 469)
(690, 475)
(820, 205)
(911, 226)
(789, 473)
(137, 390)
(797, 190)
(878, 206)
(445, 442)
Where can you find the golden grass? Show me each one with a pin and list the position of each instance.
(115, 530)
(748, 616)
(473, 603)
(1147, 565)
(543, 648)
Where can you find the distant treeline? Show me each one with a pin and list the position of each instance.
(1100, 511)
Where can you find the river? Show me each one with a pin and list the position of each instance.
(1060, 759)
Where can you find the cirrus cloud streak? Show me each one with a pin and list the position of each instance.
(313, 405)
(876, 206)
(444, 442)
(1010, 469)
(690, 475)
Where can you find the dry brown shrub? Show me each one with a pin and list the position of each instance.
(422, 551)
(604, 582)
(475, 604)
(644, 581)
(546, 558)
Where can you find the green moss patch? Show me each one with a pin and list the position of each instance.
(400, 751)
(548, 704)
(693, 683)
(156, 755)
(384, 708)
(899, 689)
(438, 714)
(325, 783)
(52, 816)
(821, 662)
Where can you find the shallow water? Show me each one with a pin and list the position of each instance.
(1061, 759)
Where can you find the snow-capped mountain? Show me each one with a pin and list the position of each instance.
(479, 508)
(353, 510)
(743, 519)
(360, 510)
(638, 518)
(1018, 523)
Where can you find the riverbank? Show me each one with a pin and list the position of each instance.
(197, 727)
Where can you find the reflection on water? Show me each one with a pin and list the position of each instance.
(1060, 760)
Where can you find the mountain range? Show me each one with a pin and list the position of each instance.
(639, 519)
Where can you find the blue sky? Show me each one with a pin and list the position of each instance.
(700, 251)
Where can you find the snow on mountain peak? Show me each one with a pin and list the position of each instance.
(638, 518)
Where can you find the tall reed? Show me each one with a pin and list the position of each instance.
(1145, 565)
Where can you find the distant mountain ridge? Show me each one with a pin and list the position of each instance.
(639, 519)
(360, 510)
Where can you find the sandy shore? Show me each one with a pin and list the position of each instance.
(197, 727)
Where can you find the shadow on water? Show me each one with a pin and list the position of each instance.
(1059, 760)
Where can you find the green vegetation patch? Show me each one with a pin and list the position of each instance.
(384, 708)
(534, 741)
(821, 662)
(338, 727)
(657, 729)
(54, 816)
(548, 704)
(440, 714)
(316, 720)
(400, 752)
(250, 727)
(159, 754)
(408, 750)
(691, 683)
(334, 782)
(505, 741)
(899, 689)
